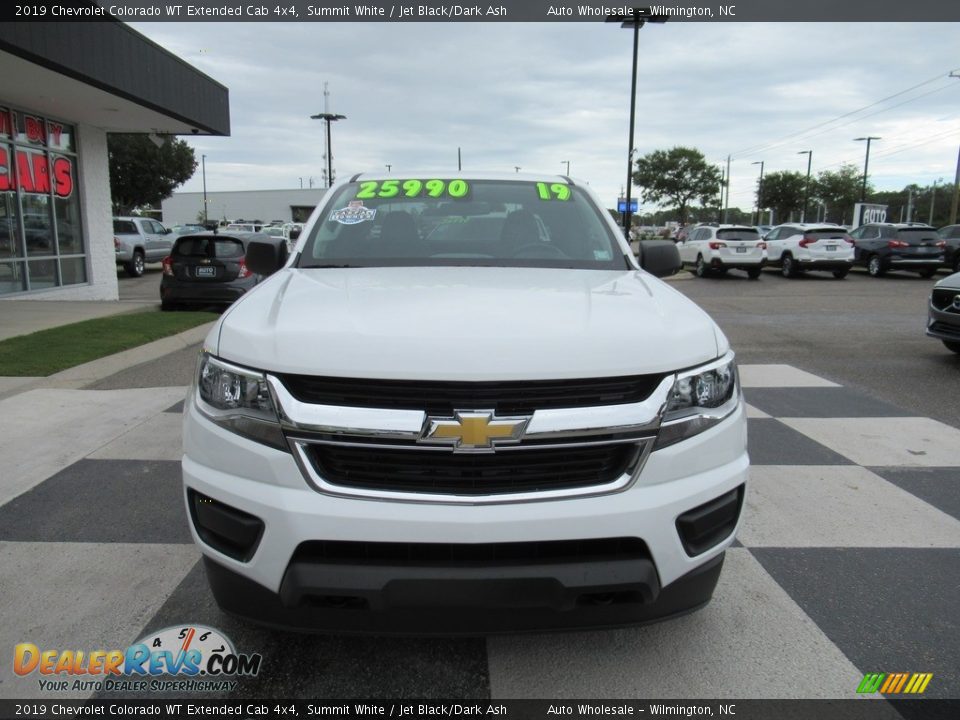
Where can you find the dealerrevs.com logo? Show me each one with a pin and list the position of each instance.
(176, 659)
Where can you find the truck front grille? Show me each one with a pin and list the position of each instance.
(473, 474)
(444, 397)
(943, 298)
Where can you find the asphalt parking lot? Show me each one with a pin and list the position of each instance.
(847, 560)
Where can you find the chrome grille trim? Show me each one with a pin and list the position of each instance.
(306, 424)
(300, 454)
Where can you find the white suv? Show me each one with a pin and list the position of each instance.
(796, 247)
(492, 429)
(719, 248)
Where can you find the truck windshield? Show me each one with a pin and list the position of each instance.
(435, 222)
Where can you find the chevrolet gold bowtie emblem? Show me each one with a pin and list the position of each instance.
(473, 430)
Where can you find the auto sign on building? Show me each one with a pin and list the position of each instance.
(62, 91)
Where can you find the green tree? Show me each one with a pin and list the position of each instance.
(143, 173)
(839, 190)
(680, 176)
(783, 192)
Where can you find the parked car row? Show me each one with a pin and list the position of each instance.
(139, 240)
(796, 248)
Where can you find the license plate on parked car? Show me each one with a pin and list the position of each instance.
(206, 272)
(831, 247)
(741, 249)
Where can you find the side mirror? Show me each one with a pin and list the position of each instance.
(659, 257)
(294, 233)
(265, 258)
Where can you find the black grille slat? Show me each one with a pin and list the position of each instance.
(444, 397)
(471, 473)
(460, 554)
(943, 298)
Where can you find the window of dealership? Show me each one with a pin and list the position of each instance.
(41, 236)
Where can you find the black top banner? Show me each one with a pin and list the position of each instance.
(856, 11)
(566, 709)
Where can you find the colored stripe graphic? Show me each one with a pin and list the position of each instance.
(894, 683)
(871, 682)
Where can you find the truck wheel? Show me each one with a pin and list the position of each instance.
(135, 266)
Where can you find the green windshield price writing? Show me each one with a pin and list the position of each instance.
(413, 188)
(554, 191)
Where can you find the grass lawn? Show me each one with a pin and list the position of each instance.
(48, 351)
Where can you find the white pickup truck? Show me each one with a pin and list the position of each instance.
(462, 406)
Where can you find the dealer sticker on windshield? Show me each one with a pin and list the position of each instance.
(456, 189)
(354, 213)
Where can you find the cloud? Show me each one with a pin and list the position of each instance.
(537, 94)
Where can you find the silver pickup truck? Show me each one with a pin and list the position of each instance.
(139, 240)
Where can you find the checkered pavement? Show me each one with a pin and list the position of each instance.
(847, 562)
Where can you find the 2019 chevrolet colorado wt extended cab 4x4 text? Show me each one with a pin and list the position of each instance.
(460, 406)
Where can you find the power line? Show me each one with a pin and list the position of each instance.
(760, 147)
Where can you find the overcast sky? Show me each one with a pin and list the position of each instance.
(536, 94)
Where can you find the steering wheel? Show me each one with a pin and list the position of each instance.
(539, 250)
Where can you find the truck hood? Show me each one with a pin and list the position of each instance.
(465, 323)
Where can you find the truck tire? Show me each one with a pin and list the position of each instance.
(136, 265)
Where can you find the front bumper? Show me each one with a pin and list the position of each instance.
(276, 586)
(463, 601)
(943, 324)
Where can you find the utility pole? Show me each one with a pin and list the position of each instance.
(866, 165)
(933, 197)
(203, 160)
(759, 193)
(909, 205)
(459, 161)
(806, 187)
(956, 180)
(726, 203)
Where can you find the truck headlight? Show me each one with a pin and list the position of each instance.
(699, 399)
(238, 399)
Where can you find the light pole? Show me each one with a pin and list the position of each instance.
(759, 193)
(806, 188)
(956, 181)
(517, 168)
(203, 162)
(388, 167)
(634, 21)
(866, 164)
(568, 166)
(933, 197)
(329, 117)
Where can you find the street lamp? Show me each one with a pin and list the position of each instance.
(517, 168)
(329, 117)
(806, 188)
(866, 164)
(634, 21)
(568, 166)
(203, 162)
(759, 193)
(389, 167)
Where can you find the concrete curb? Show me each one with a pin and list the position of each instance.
(80, 376)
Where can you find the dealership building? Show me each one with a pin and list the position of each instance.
(63, 87)
(294, 205)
